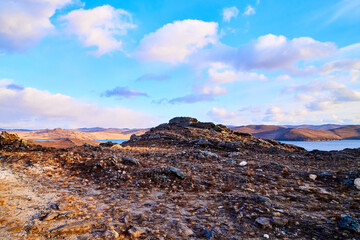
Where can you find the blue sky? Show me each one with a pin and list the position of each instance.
(73, 63)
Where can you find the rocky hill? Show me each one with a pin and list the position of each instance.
(187, 131)
(181, 180)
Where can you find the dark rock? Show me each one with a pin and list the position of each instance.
(107, 144)
(263, 221)
(183, 121)
(203, 125)
(130, 160)
(349, 223)
(179, 174)
(279, 221)
(240, 134)
(207, 233)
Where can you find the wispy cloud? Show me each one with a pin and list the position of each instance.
(100, 27)
(345, 9)
(153, 77)
(123, 92)
(249, 10)
(229, 13)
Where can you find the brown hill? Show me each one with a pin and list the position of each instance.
(59, 133)
(300, 134)
(305, 134)
(63, 143)
(348, 132)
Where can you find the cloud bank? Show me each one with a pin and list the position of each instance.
(34, 108)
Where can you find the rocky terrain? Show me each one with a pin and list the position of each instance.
(303, 132)
(181, 180)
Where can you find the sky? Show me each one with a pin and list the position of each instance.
(139, 63)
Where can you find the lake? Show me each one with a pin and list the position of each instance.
(119, 141)
(325, 145)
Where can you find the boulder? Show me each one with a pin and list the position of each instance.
(183, 121)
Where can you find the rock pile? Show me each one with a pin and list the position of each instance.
(187, 131)
(11, 141)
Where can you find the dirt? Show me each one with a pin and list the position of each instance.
(228, 186)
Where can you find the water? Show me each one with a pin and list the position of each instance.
(325, 145)
(119, 141)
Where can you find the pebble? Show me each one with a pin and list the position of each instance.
(243, 163)
(357, 183)
(266, 235)
(179, 174)
(136, 232)
(111, 234)
(312, 177)
(279, 221)
(265, 222)
(347, 222)
(207, 233)
(129, 160)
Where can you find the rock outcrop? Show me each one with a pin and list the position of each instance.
(187, 131)
(10, 141)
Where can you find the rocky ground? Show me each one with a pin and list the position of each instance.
(182, 180)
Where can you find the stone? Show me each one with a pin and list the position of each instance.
(184, 230)
(111, 234)
(243, 163)
(230, 161)
(266, 235)
(207, 233)
(136, 232)
(116, 146)
(130, 161)
(279, 221)
(107, 144)
(349, 223)
(357, 183)
(183, 121)
(312, 177)
(133, 137)
(263, 221)
(179, 174)
(203, 125)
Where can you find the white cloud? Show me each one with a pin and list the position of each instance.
(229, 13)
(284, 77)
(34, 108)
(355, 75)
(340, 65)
(326, 94)
(249, 10)
(23, 23)
(221, 115)
(175, 41)
(229, 76)
(100, 27)
(268, 52)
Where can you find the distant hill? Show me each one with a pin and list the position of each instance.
(85, 133)
(302, 132)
